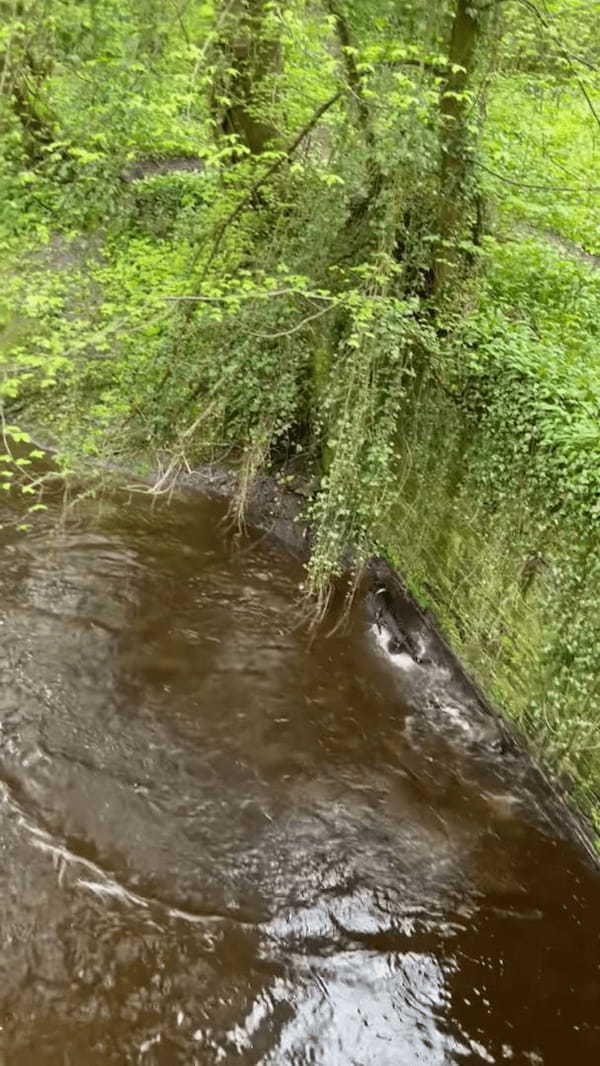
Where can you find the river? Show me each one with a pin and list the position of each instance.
(228, 840)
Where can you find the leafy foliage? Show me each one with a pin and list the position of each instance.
(390, 290)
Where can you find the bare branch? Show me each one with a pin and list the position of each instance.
(297, 327)
(263, 178)
(537, 188)
(565, 53)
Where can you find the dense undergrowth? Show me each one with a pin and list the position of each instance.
(262, 314)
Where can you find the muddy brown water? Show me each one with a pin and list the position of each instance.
(224, 843)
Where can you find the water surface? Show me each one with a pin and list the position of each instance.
(224, 841)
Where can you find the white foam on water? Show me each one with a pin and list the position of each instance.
(147, 1044)
(100, 883)
(457, 716)
(402, 660)
(112, 889)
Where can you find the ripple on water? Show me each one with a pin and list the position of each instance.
(227, 841)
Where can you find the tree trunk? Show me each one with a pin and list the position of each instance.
(456, 141)
(25, 66)
(249, 54)
(36, 123)
(361, 225)
(353, 77)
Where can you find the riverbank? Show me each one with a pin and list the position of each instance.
(403, 625)
(508, 579)
(170, 299)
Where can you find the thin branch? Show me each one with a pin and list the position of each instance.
(264, 177)
(566, 54)
(537, 188)
(178, 17)
(298, 326)
(353, 75)
(251, 296)
(438, 70)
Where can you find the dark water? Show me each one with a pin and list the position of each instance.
(224, 843)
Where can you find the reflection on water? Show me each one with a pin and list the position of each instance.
(224, 842)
